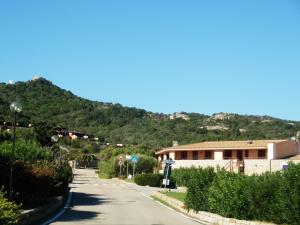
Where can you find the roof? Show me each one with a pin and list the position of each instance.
(256, 144)
(296, 157)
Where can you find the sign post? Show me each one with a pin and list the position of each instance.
(121, 162)
(128, 158)
(134, 160)
(167, 171)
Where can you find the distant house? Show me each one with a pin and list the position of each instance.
(249, 156)
(176, 115)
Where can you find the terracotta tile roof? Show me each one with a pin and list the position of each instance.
(256, 144)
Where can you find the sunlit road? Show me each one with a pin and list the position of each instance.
(111, 202)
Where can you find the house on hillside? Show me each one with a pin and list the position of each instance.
(246, 156)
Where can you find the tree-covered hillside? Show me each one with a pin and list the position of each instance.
(114, 123)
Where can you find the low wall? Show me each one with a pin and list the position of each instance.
(251, 166)
(34, 215)
(259, 166)
(202, 163)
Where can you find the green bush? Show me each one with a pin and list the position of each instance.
(153, 180)
(197, 188)
(10, 213)
(273, 197)
(26, 151)
(108, 168)
(62, 176)
(32, 184)
(182, 176)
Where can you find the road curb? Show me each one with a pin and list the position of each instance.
(32, 216)
(205, 217)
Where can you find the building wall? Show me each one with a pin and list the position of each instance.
(260, 166)
(285, 149)
(251, 166)
(201, 163)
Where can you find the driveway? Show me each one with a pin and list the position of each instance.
(113, 202)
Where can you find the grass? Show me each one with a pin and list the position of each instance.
(162, 201)
(177, 195)
(129, 180)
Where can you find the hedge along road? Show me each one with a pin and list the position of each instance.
(112, 202)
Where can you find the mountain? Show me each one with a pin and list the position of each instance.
(114, 123)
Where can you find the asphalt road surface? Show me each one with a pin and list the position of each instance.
(113, 202)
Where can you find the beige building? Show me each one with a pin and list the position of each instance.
(249, 156)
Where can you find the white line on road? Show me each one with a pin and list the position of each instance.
(67, 206)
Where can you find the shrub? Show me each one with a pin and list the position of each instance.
(108, 169)
(271, 197)
(182, 176)
(10, 213)
(229, 190)
(26, 151)
(197, 188)
(32, 184)
(145, 164)
(62, 176)
(153, 180)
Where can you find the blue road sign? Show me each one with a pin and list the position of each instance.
(134, 159)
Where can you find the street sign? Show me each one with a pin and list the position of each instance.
(169, 161)
(121, 163)
(134, 159)
(121, 158)
(128, 157)
(166, 182)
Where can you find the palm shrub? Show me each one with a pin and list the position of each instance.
(10, 212)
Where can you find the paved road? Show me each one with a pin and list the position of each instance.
(112, 202)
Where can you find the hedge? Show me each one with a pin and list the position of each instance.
(198, 185)
(273, 197)
(153, 180)
(182, 176)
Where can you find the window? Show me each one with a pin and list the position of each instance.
(195, 155)
(183, 155)
(227, 154)
(261, 154)
(247, 154)
(207, 155)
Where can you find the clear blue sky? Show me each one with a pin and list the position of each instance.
(163, 56)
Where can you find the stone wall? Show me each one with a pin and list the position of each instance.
(260, 166)
(251, 166)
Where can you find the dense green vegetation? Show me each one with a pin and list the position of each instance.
(152, 180)
(9, 212)
(273, 197)
(109, 166)
(114, 123)
(39, 172)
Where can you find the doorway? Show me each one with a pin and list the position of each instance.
(239, 155)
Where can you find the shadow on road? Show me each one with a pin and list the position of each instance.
(82, 199)
(77, 215)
